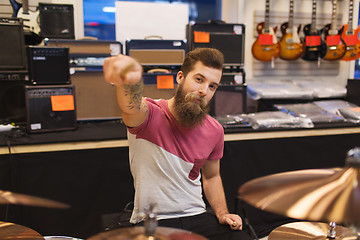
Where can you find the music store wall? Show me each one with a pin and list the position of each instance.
(254, 12)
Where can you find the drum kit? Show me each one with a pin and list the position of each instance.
(323, 198)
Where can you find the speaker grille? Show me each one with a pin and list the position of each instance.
(57, 20)
(42, 112)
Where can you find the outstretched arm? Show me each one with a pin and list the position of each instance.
(125, 73)
(214, 192)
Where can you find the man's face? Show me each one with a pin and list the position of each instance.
(194, 93)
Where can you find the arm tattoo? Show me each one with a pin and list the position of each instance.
(134, 92)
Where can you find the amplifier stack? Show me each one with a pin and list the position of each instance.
(230, 97)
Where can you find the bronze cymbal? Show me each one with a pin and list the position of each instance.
(137, 233)
(309, 230)
(325, 195)
(13, 231)
(7, 197)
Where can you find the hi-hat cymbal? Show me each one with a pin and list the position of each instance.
(13, 231)
(7, 197)
(324, 195)
(137, 233)
(310, 230)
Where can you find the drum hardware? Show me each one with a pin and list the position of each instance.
(12, 231)
(150, 231)
(321, 195)
(60, 238)
(138, 233)
(7, 197)
(311, 230)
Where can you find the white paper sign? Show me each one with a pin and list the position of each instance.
(139, 20)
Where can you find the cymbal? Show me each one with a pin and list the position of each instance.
(7, 197)
(13, 231)
(309, 230)
(137, 233)
(325, 195)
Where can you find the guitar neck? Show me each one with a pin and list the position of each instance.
(291, 14)
(350, 22)
(25, 5)
(313, 17)
(333, 17)
(267, 16)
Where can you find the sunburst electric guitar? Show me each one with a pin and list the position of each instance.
(350, 37)
(291, 47)
(266, 47)
(315, 46)
(336, 46)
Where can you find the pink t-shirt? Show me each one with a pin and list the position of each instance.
(165, 161)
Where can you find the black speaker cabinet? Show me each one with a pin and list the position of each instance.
(227, 37)
(56, 20)
(12, 102)
(229, 100)
(353, 91)
(12, 45)
(48, 65)
(50, 108)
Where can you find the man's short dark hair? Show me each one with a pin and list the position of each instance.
(210, 57)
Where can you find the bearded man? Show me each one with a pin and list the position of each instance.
(175, 147)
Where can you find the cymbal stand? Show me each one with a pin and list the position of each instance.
(150, 222)
(332, 230)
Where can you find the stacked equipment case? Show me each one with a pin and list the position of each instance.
(230, 98)
(161, 60)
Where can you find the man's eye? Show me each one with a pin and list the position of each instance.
(213, 87)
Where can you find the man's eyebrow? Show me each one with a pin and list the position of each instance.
(201, 75)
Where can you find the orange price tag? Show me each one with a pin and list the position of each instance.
(265, 39)
(351, 40)
(313, 40)
(62, 103)
(333, 40)
(201, 37)
(165, 82)
(355, 109)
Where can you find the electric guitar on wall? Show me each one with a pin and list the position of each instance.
(266, 47)
(315, 46)
(291, 47)
(336, 46)
(350, 37)
(30, 18)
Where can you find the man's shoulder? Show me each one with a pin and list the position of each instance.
(214, 122)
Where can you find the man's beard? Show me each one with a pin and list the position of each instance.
(190, 109)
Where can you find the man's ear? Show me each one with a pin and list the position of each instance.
(179, 77)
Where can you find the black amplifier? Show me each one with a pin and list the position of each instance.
(56, 20)
(226, 37)
(229, 100)
(48, 65)
(12, 45)
(50, 108)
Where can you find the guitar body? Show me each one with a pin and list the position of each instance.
(352, 48)
(265, 52)
(313, 52)
(291, 47)
(334, 52)
(30, 20)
